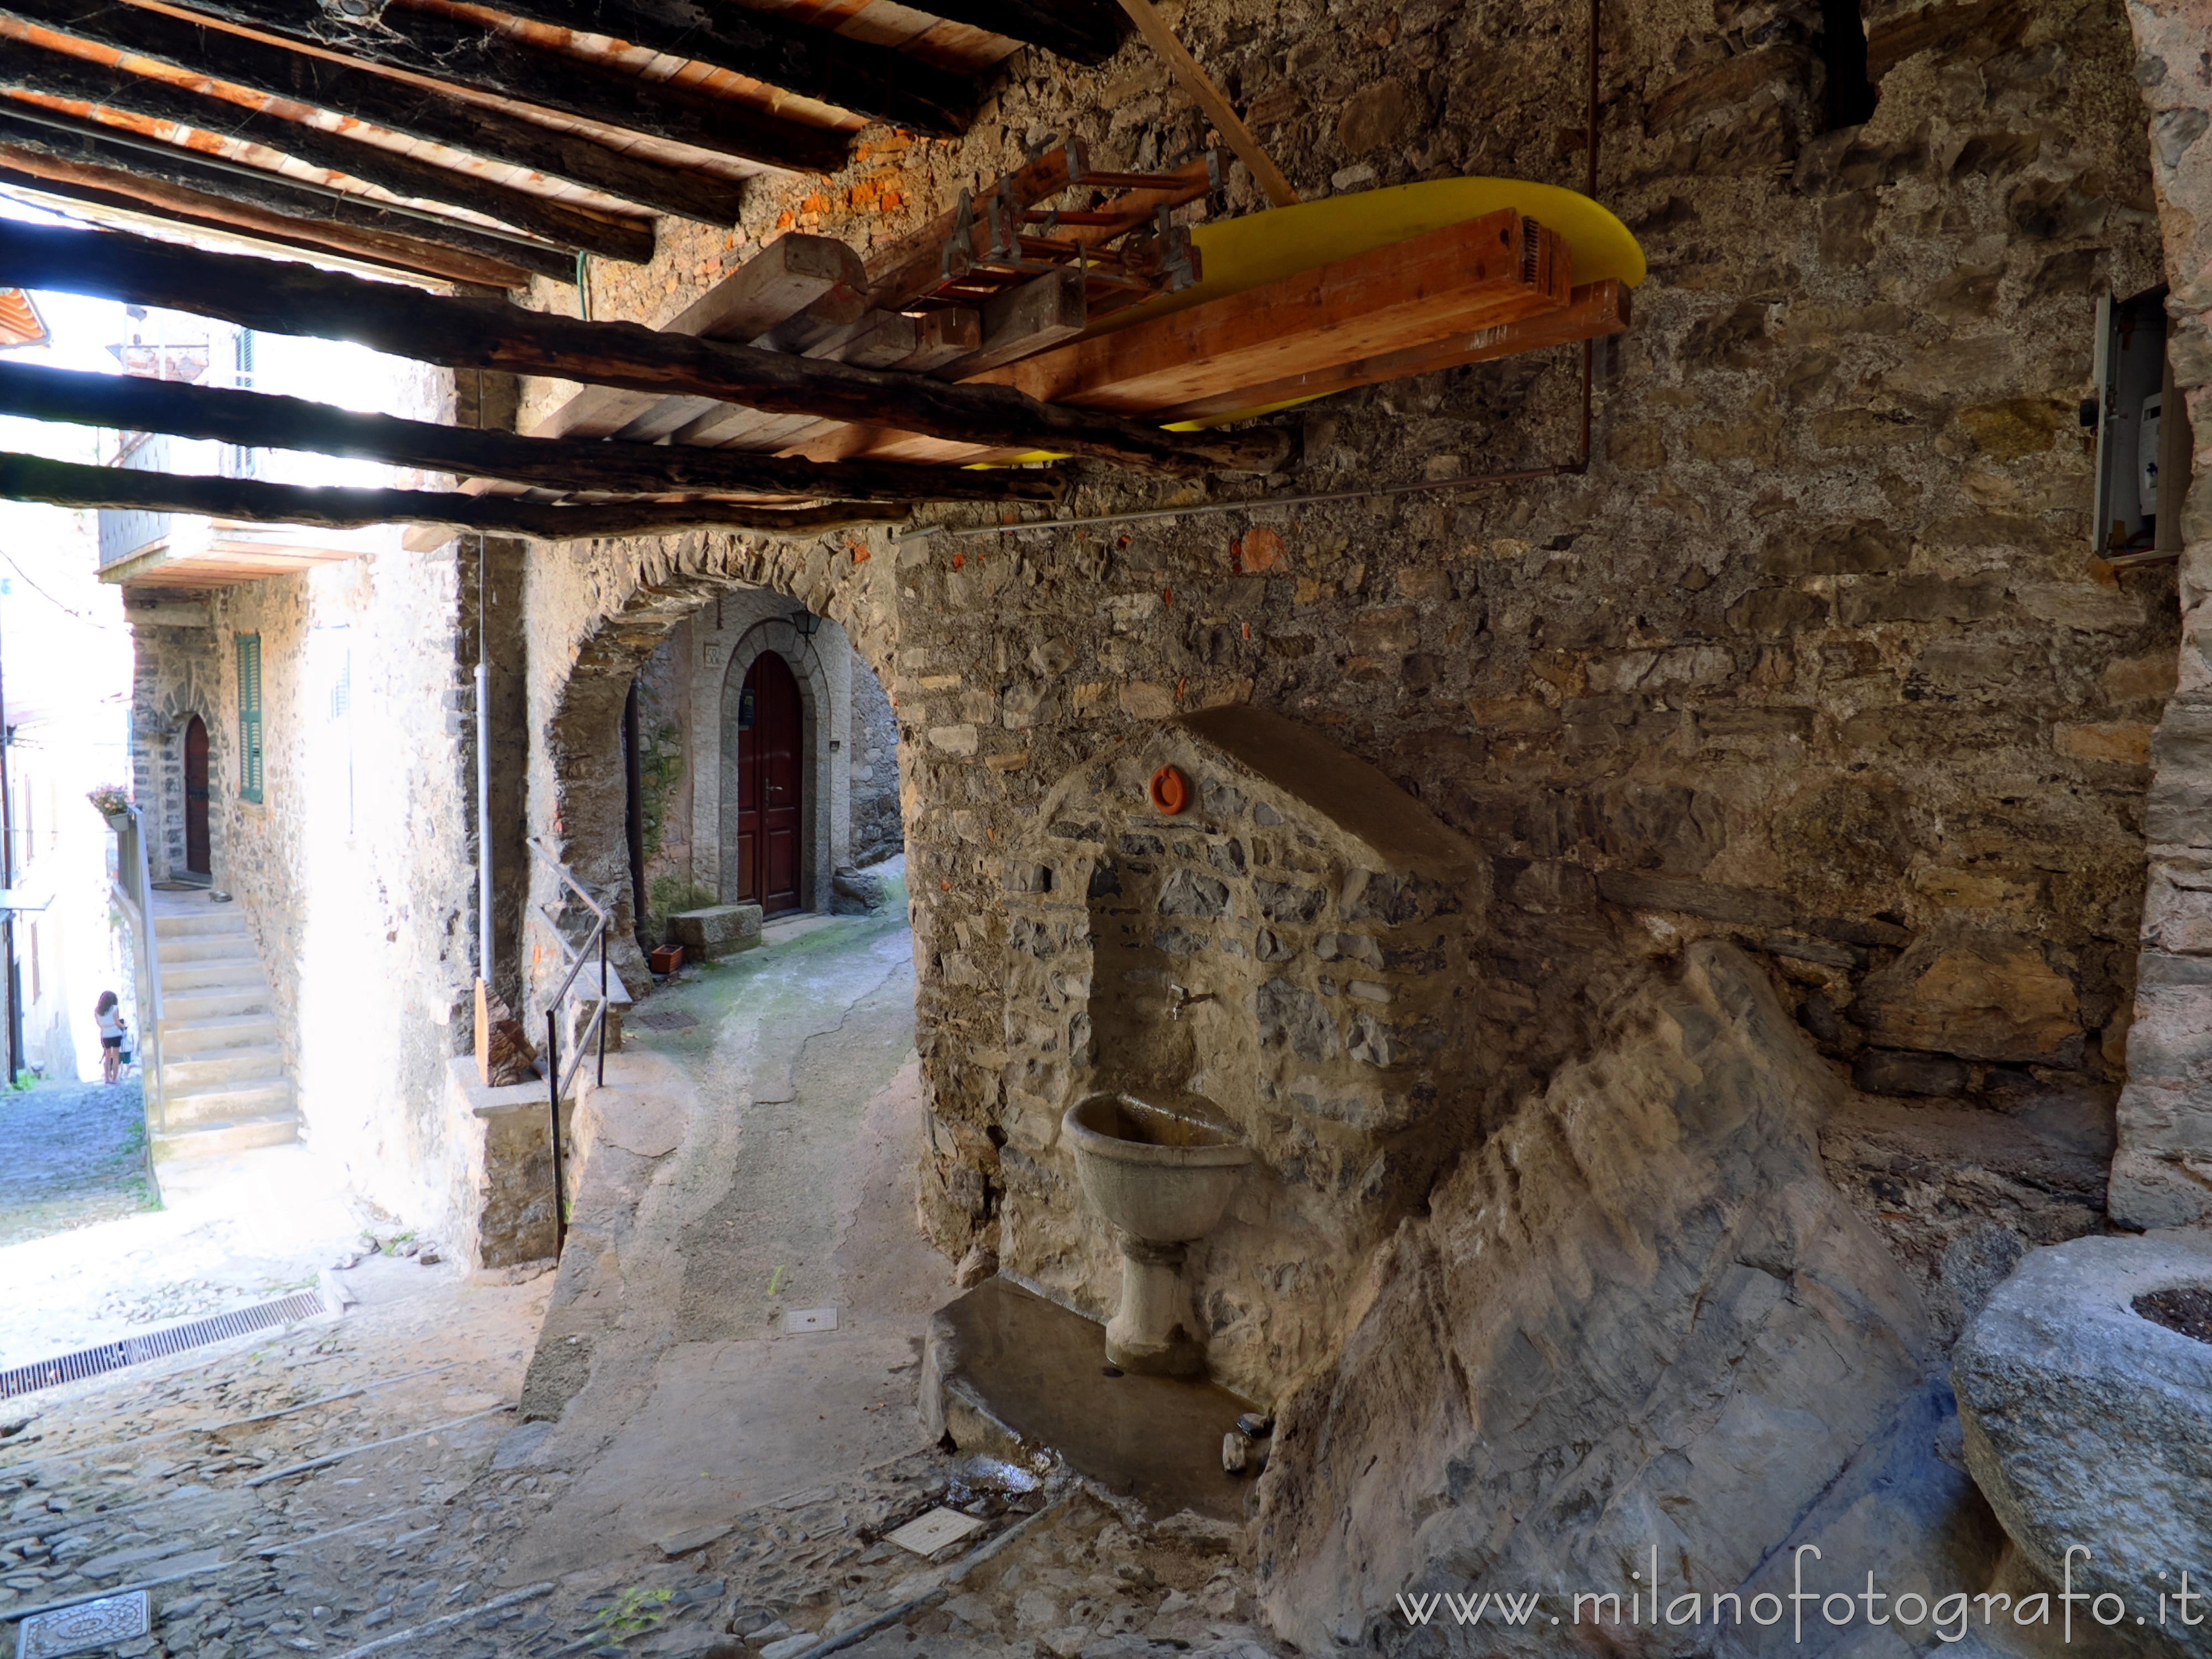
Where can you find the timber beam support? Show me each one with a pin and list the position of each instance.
(278, 298)
(253, 419)
(68, 483)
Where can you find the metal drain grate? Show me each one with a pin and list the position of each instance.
(156, 1345)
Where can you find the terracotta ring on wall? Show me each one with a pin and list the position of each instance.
(1170, 791)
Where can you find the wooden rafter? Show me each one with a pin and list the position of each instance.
(470, 333)
(456, 54)
(191, 209)
(28, 133)
(253, 419)
(1086, 31)
(877, 81)
(277, 71)
(249, 501)
(25, 68)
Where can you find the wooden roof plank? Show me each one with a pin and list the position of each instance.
(1086, 31)
(278, 72)
(457, 54)
(27, 68)
(873, 81)
(785, 277)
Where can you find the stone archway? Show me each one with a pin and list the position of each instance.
(617, 602)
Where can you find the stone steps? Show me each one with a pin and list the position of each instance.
(224, 1085)
(208, 1034)
(219, 1137)
(216, 1103)
(185, 1074)
(182, 1009)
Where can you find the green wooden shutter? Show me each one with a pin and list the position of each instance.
(249, 717)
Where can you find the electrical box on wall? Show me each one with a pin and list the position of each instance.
(2143, 455)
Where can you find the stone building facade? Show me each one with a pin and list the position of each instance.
(693, 683)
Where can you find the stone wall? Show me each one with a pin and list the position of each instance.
(1813, 656)
(1292, 948)
(878, 832)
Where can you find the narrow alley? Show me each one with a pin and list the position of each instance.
(692, 1439)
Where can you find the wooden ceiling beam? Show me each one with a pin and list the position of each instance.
(472, 333)
(30, 68)
(360, 95)
(249, 501)
(180, 209)
(457, 54)
(253, 420)
(27, 131)
(878, 82)
(1086, 31)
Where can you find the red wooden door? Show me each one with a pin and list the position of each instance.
(197, 861)
(769, 775)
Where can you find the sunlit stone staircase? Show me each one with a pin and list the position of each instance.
(224, 1085)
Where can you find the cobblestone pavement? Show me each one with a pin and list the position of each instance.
(71, 1154)
(190, 1482)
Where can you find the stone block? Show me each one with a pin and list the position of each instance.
(499, 1204)
(719, 930)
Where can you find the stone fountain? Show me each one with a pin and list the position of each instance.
(1163, 1177)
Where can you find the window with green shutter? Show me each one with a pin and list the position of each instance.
(249, 717)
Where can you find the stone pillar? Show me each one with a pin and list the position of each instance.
(2162, 1167)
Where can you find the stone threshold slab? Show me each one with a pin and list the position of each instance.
(1007, 1372)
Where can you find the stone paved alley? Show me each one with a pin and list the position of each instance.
(71, 1154)
(673, 1472)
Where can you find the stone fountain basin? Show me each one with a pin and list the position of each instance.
(2087, 1424)
(1158, 1173)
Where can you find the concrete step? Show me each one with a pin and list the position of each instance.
(223, 923)
(196, 947)
(195, 1038)
(183, 1075)
(218, 1137)
(228, 973)
(209, 1103)
(214, 1002)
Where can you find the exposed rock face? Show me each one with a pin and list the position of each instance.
(1638, 1318)
(2086, 1423)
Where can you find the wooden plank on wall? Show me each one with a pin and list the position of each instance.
(1458, 280)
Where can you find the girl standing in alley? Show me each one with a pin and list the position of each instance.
(109, 1013)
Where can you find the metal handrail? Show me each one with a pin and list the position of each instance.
(557, 1082)
(137, 904)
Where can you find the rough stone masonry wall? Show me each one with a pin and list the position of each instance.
(1813, 656)
(2162, 1173)
(879, 832)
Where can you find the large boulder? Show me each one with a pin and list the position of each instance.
(2089, 1425)
(1639, 1318)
